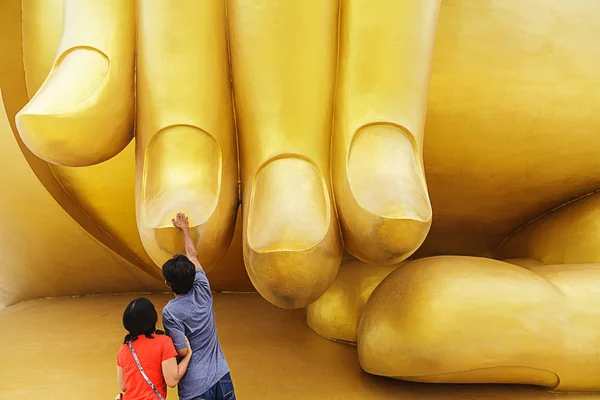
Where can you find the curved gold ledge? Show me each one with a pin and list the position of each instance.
(502, 375)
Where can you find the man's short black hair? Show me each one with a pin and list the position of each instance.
(179, 272)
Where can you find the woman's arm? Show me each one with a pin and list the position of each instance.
(121, 379)
(172, 371)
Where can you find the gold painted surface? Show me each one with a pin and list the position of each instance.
(567, 235)
(14, 93)
(523, 262)
(109, 202)
(504, 120)
(44, 252)
(511, 133)
(462, 68)
(385, 52)
(186, 155)
(476, 320)
(283, 61)
(101, 204)
(512, 127)
(336, 314)
(230, 275)
(88, 94)
(69, 351)
(42, 30)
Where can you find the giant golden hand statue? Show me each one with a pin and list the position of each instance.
(311, 114)
(284, 80)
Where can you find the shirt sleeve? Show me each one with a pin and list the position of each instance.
(175, 330)
(119, 363)
(168, 349)
(201, 283)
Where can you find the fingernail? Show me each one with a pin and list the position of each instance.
(181, 174)
(63, 116)
(384, 175)
(294, 249)
(75, 77)
(389, 215)
(288, 207)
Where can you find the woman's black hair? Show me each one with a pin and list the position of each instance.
(140, 318)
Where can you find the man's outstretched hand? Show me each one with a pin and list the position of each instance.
(181, 222)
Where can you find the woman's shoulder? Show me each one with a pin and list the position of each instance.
(142, 342)
(162, 338)
(122, 350)
(165, 339)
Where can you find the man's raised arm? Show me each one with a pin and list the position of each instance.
(181, 222)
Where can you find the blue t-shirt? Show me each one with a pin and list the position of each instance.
(192, 315)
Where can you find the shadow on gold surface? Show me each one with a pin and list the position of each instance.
(336, 314)
(568, 234)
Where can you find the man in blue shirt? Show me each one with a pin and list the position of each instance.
(190, 314)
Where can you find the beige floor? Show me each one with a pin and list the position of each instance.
(65, 349)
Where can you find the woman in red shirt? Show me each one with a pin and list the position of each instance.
(155, 352)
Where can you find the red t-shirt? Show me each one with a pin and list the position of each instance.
(151, 353)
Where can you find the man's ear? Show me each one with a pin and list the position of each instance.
(167, 283)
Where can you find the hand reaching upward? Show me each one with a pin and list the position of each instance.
(181, 221)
